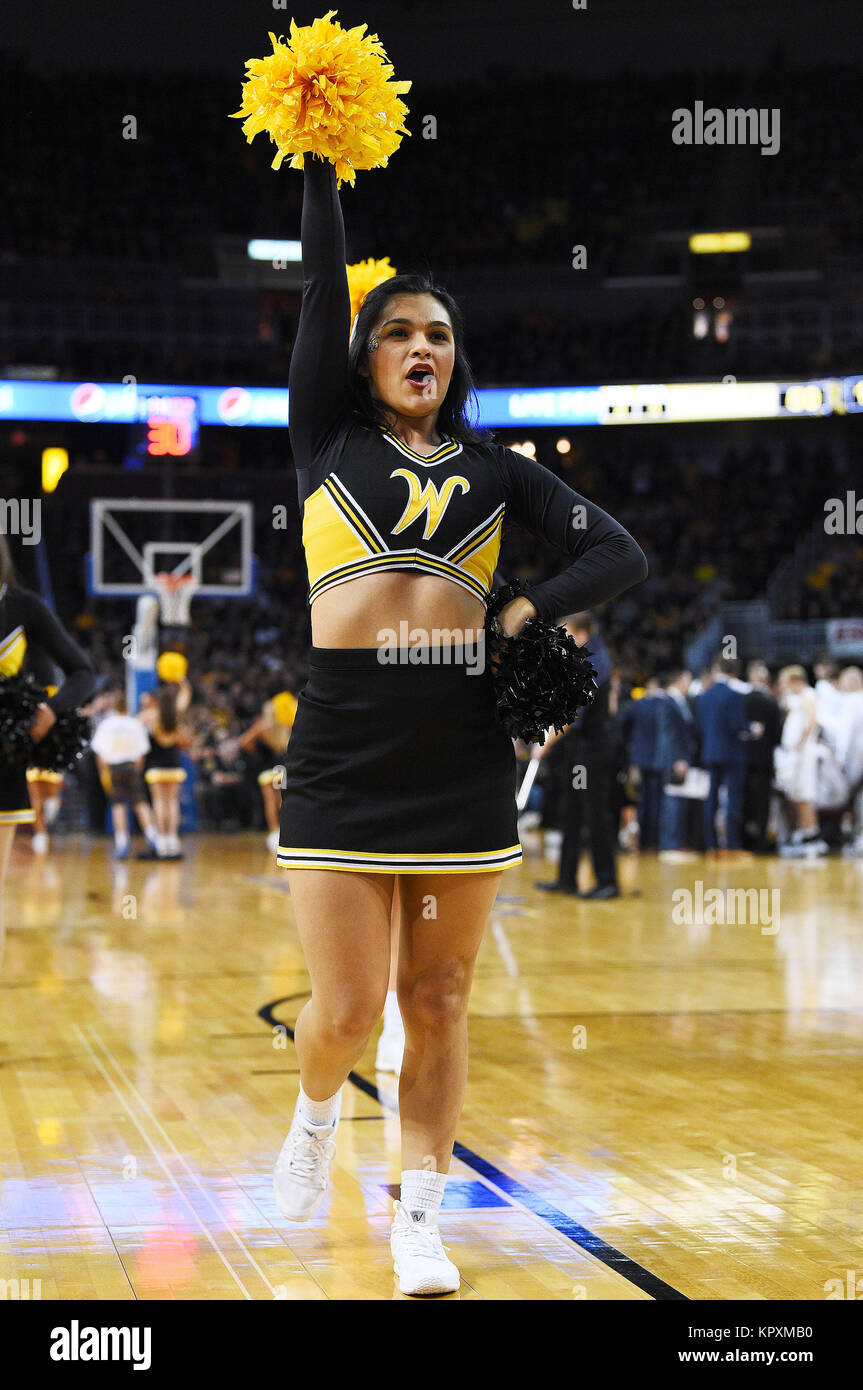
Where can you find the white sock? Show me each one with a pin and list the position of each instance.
(152, 837)
(162, 845)
(392, 1017)
(121, 839)
(422, 1194)
(319, 1112)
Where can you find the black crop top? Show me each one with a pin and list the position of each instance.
(31, 639)
(371, 503)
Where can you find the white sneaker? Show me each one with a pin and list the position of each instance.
(391, 1047)
(303, 1166)
(273, 841)
(39, 843)
(804, 849)
(811, 849)
(418, 1256)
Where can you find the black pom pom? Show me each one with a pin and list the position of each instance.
(541, 678)
(19, 697)
(65, 741)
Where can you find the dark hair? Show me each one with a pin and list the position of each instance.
(729, 666)
(452, 416)
(7, 569)
(167, 698)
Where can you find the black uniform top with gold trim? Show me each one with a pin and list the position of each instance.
(370, 503)
(31, 639)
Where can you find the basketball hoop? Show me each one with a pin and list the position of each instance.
(175, 593)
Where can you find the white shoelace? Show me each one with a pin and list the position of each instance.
(304, 1157)
(423, 1240)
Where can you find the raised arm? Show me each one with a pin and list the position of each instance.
(247, 740)
(318, 389)
(606, 560)
(45, 633)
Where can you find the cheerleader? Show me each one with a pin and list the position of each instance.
(398, 767)
(165, 773)
(46, 789)
(272, 728)
(30, 640)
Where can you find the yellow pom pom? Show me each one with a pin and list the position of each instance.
(326, 92)
(172, 666)
(364, 276)
(285, 707)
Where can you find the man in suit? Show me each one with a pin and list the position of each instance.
(639, 721)
(720, 714)
(765, 730)
(677, 743)
(589, 786)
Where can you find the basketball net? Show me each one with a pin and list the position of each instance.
(175, 593)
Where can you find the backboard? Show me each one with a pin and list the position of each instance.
(133, 539)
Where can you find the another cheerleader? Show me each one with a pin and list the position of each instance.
(165, 773)
(30, 640)
(272, 728)
(46, 790)
(398, 766)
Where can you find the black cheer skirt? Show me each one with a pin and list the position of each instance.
(164, 764)
(398, 768)
(15, 808)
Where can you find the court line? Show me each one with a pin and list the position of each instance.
(234, 1275)
(517, 1192)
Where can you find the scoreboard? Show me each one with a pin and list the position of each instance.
(168, 428)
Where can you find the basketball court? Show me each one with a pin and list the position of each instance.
(655, 1111)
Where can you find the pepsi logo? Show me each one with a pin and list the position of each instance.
(234, 405)
(88, 401)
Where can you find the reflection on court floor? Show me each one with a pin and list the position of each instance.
(660, 1106)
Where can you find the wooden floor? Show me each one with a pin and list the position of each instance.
(655, 1109)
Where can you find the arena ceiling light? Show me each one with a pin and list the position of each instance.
(714, 243)
(54, 465)
(261, 250)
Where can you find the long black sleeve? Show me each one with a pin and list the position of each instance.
(606, 560)
(318, 381)
(46, 637)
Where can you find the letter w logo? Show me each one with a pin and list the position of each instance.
(430, 501)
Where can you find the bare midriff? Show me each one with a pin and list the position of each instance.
(364, 611)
